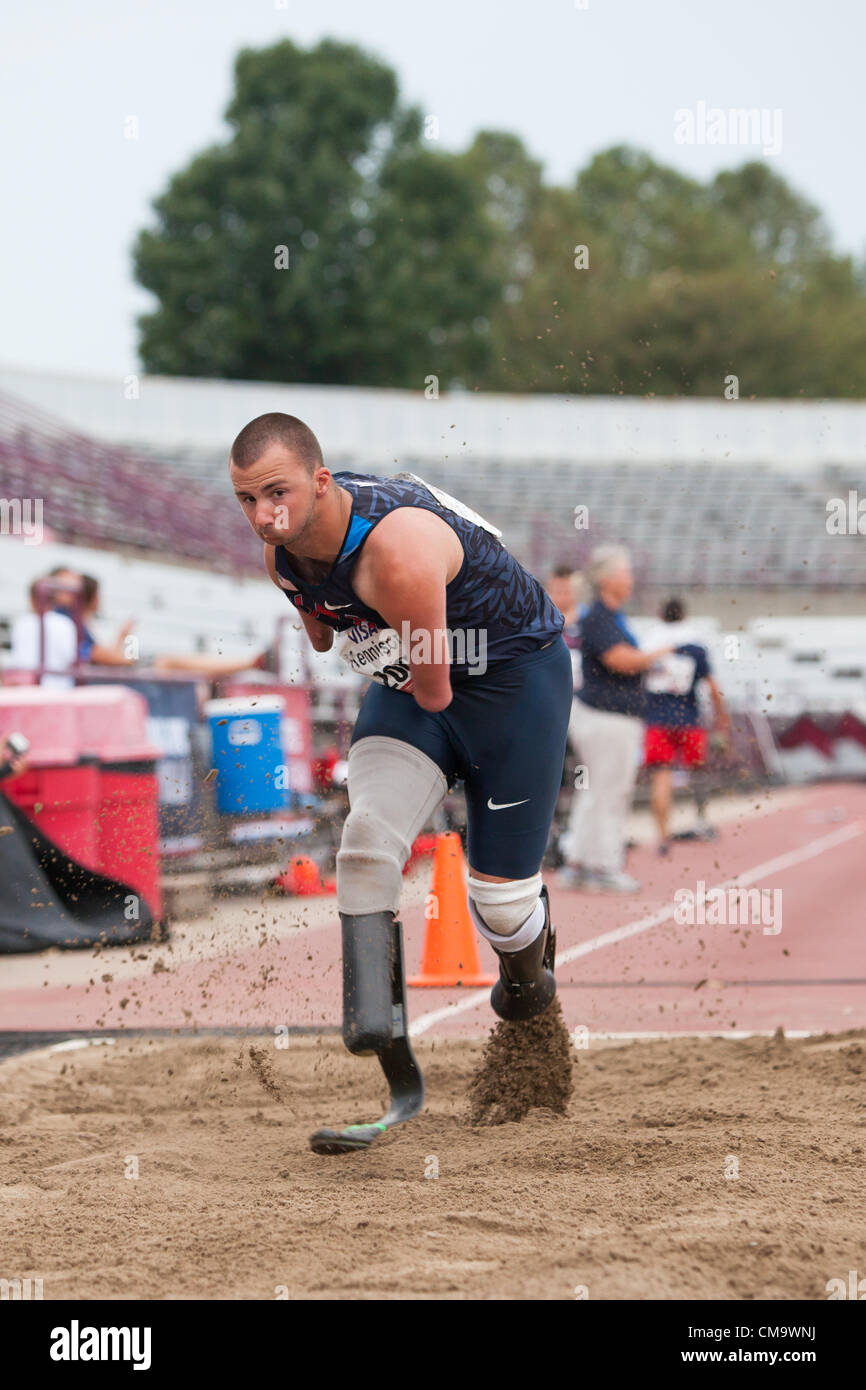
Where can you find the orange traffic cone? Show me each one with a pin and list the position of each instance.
(450, 954)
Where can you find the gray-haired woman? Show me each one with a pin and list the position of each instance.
(606, 729)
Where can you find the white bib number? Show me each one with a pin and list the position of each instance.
(671, 675)
(377, 653)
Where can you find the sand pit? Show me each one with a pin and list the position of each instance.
(523, 1065)
(625, 1196)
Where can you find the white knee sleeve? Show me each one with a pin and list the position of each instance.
(394, 788)
(511, 910)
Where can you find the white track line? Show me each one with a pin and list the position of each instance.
(730, 1034)
(655, 919)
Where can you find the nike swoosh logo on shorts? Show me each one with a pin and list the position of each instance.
(326, 604)
(501, 806)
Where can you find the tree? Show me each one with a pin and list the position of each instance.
(324, 241)
(642, 281)
(783, 228)
(329, 240)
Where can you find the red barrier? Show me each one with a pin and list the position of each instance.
(91, 785)
(64, 803)
(128, 831)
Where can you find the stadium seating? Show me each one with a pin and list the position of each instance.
(702, 525)
(156, 525)
(707, 522)
(101, 495)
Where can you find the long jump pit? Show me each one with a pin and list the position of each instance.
(682, 1169)
(692, 1128)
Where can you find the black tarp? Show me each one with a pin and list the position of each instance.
(47, 899)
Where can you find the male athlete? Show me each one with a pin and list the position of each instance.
(470, 680)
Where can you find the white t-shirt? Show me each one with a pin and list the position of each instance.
(61, 647)
(669, 635)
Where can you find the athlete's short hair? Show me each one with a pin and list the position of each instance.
(673, 610)
(276, 428)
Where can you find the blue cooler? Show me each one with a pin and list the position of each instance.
(248, 754)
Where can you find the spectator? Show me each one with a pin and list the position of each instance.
(79, 600)
(79, 597)
(45, 638)
(607, 726)
(563, 586)
(674, 731)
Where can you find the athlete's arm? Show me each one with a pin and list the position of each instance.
(625, 660)
(402, 573)
(321, 636)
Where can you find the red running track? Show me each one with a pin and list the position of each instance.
(625, 964)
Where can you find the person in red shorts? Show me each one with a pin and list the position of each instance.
(674, 733)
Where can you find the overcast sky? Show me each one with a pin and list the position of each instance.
(569, 80)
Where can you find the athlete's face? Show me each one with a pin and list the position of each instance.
(278, 494)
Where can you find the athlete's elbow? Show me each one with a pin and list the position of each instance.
(433, 701)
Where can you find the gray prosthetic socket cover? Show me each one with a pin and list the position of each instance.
(394, 788)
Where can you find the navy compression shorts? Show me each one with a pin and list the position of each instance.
(504, 733)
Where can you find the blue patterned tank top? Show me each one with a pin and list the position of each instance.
(491, 592)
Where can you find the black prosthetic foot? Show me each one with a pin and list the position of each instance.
(526, 984)
(374, 1021)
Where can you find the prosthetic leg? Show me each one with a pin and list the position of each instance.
(393, 789)
(515, 918)
(526, 984)
(374, 1021)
